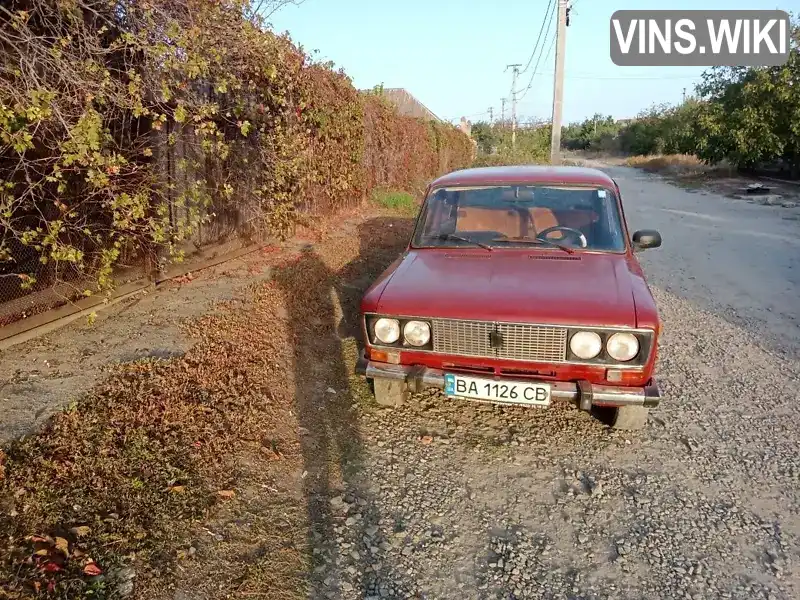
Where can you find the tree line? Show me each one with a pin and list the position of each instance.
(748, 117)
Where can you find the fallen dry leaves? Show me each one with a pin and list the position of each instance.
(62, 545)
(187, 278)
(92, 570)
(105, 471)
(50, 567)
(81, 531)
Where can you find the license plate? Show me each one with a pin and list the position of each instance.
(505, 392)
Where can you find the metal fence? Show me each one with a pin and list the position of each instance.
(19, 298)
(48, 286)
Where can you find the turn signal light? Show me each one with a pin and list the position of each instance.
(624, 377)
(386, 356)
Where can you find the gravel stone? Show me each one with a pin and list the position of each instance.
(125, 588)
(678, 510)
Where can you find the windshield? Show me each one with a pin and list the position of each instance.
(507, 216)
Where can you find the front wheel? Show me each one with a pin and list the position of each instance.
(623, 418)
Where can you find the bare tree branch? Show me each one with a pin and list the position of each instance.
(262, 10)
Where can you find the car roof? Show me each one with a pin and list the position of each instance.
(525, 174)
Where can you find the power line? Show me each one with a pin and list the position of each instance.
(633, 78)
(546, 18)
(536, 68)
(480, 114)
(541, 52)
(624, 78)
(587, 77)
(516, 72)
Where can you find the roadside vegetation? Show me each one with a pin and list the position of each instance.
(687, 165)
(745, 118)
(495, 147)
(399, 201)
(741, 118)
(142, 124)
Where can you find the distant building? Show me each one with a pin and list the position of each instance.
(408, 105)
(465, 126)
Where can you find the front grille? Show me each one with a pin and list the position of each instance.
(532, 342)
(520, 342)
(467, 338)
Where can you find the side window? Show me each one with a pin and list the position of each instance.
(620, 225)
(435, 214)
(619, 196)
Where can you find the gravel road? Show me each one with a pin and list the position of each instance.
(459, 500)
(455, 500)
(737, 259)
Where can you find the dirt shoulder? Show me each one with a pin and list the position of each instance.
(44, 375)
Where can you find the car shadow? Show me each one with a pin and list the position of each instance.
(345, 538)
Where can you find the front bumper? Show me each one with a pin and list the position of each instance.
(582, 393)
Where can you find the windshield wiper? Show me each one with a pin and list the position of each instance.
(537, 241)
(451, 236)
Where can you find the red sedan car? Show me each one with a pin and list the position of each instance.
(520, 285)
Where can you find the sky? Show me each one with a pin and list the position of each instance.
(452, 54)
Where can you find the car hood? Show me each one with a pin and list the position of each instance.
(509, 285)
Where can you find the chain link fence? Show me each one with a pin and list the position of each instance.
(21, 297)
(29, 287)
(44, 287)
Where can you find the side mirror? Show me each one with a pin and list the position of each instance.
(646, 238)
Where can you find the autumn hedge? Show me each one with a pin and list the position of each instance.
(126, 124)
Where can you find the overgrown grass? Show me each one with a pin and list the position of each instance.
(681, 165)
(399, 201)
(658, 162)
(533, 155)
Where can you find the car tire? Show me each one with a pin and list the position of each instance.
(624, 418)
(390, 392)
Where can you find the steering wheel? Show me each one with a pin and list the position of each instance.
(569, 231)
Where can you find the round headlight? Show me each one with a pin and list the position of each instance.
(387, 330)
(586, 345)
(622, 346)
(417, 333)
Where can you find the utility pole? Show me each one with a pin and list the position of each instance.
(558, 83)
(515, 72)
(491, 116)
(503, 113)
